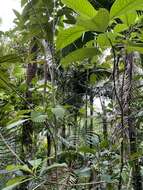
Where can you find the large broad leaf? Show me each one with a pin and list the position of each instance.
(82, 7)
(67, 36)
(98, 23)
(59, 112)
(129, 18)
(121, 7)
(38, 117)
(79, 55)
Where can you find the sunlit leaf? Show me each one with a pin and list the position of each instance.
(17, 123)
(129, 18)
(82, 7)
(68, 36)
(98, 23)
(122, 7)
(120, 28)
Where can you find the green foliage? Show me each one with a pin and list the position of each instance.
(86, 10)
(23, 2)
(38, 117)
(120, 28)
(68, 97)
(59, 112)
(79, 55)
(68, 36)
(103, 41)
(11, 58)
(123, 7)
(15, 124)
(13, 168)
(129, 18)
(12, 183)
(99, 23)
(132, 47)
(53, 166)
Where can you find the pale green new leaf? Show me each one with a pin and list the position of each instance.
(99, 23)
(79, 55)
(68, 36)
(82, 7)
(18, 167)
(13, 167)
(122, 7)
(59, 112)
(15, 124)
(38, 117)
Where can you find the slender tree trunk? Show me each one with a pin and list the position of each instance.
(63, 135)
(75, 128)
(91, 110)
(27, 130)
(136, 175)
(49, 146)
(104, 119)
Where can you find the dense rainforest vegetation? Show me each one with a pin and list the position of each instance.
(71, 96)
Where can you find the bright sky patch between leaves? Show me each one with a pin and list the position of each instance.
(6, 13)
